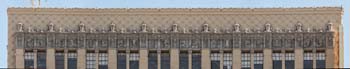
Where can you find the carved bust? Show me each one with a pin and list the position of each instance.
(61, 30)
(81, 27)
(247, 30)
(174, 28)
(143, 27)
(299, 27)
(30, 29)
(122, 30)
(154, 30)
(184, 30)
(215, 30)
(237, 28)
(205, 28)
(268, 27)
(112, 27)
(329, 26)
(51, 27)
(92, 30)
(20, 27)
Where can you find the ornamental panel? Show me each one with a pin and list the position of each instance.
(60, 41)
(169, 40)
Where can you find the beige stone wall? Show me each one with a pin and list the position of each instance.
(185, 18)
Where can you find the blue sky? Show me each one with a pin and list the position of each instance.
(170, 4)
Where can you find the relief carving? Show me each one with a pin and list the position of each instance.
(250, 39)
(237, 27)
(329, 27)
(81, 27)
(50, 27)
(20, 27)
(195, 43)
(112, 27)
(165, 43)
(174, 28)
(143, 27)
(205, 28)
(268, 27)
(299, 27)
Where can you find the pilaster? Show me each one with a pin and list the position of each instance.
(174, 56)
(299, 59)
(330, 58)
(50, 58)
(112, 59)
(236, 59)
(143, 59)
(205, 54)
(19, 58)
(267, 59)
(81, 59)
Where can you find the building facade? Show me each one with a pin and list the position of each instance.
(175, 38)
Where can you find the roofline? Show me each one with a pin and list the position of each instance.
(27, 10)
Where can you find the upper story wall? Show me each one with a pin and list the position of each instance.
(163, 18)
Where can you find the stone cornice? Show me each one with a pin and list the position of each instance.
(306, 10)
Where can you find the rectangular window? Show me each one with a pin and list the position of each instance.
(320, 60)
(215, 60)
(277, 60)
(59, 60)
(245, 57)
(72, 60)
(227, 60)
(308, 59)
(152, 60)
(134, 60)
(289, 62)
(196, 60)
(29, 60)
(121, 60)
(258, 60)
(183, 60)
(90, 60)
(103, 60)
(165, 60)
(41, 60)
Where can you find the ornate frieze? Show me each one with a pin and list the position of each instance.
(184, 39)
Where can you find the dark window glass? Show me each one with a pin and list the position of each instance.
(121, 58)
(277, 60)
(258, 60)
(258, 66)
(183, 61)
(320, 64)
(165, 61)
(307, 63)
(134, 64)
(289, 64)
(308, 60)
(28, 60)
(134, 61)
(103, 60)
(215, 60)
(215, 64)
(41, 61)
(196, 61)
(152, 61)
(59, 60)
(72, 60)
(320, 60)
(277, 64)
